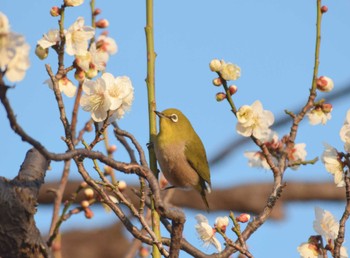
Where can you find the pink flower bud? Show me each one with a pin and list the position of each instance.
(111, 149)
(102, 24)
(243, 218)
(233, 89)
(55, 11)
(220, 96)
(326, 107)
(83, 184)
(88, 213)
(163, 182)
(97, 11)
(144, 252)
(325, 84)
(324, 9)
(217, 82)
(88, 127)
(79, 75)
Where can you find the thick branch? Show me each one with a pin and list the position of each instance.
(19, 236)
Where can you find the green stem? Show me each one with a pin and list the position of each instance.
(150, 81)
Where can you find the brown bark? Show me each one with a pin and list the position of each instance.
(19, 236)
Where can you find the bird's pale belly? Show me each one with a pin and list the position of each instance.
(176, 168)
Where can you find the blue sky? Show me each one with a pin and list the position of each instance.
(273, 43)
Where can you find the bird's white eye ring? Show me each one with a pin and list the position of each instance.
(174, 118)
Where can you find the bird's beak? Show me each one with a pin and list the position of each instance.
(160, 114)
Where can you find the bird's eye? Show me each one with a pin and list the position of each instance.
(174, 118)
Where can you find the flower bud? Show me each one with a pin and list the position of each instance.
(97, 11)
(83, 184)
(122, 185)
(108, 170)
(79, 75)
(84, 204)
(55, 11)
(326, 107)
(40, 52)
(144, 252)
(243, 218)
(102, 24)
(221, 223)
(217, 81)
(88, 127)
(233, 89)
(111, 149)
(325, 84)
(89, 193)
(324, 9)
(163, 182)
(91, 73)
(220, 96)
(88, 213)
(215, 65)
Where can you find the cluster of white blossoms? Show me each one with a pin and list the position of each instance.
(14, 52)
(207, 233)
(321, 112)
(89, 59)
(107, 97)
(332, 159)
(257, 159)
(326, 226)
(254, 121)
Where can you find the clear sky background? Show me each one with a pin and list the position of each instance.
(273, 43)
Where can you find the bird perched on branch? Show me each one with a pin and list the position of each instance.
(181, 154)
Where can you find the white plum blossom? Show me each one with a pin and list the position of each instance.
(107, 44)
(254, 120)
(206, 233)
(345, 132)
(125, 92)
(229, 71)
(77, 37)
(65, 85)
(333, 164)
(325, 224)
(309, 250)
(297, 154)
(14, 52)
(93, 61)
(256, 159)
(222, 223)
(49, 39)
(4, 24)
(107, 94)
(73, 2)
(318, 116)
(17, 67)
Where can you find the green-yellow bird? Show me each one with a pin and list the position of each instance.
(181, 154)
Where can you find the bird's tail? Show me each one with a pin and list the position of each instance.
(204, 198)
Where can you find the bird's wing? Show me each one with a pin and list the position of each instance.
(197, 158)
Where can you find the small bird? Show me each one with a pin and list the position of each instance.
(181, 154)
